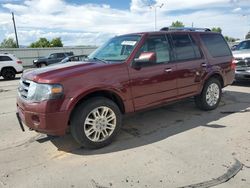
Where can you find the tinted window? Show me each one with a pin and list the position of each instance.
(61, 55)
(216, 45)
(159, 45)
(52, 56)
(185, 48)
(5, 58)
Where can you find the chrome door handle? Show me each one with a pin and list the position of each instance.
(168, 70)
(204, 65)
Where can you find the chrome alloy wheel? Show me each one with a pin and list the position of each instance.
(212, 94)
(100, 124)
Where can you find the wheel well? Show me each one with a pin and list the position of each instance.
(7, 68)
(42, 63)
(107, 94)
(218, 77)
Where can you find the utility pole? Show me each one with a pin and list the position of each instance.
(13, 19)
(154, 6)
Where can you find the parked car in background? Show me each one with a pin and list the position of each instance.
(243, 45)
(51, 59)
(242, 60)
(10, 66)
(74, 58)
(129, 73)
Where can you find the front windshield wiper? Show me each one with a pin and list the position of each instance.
(102, 60)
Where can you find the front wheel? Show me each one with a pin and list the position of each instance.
(96, 122)
(210, 96)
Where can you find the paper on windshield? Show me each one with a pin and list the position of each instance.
(129, 42)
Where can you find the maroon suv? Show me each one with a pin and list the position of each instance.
(129, 73)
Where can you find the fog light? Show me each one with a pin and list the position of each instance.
(35, 119)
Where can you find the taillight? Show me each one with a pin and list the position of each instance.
(233, 64)
(19, 62)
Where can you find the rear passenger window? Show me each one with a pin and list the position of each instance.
(60, 55)
(185, 47)
(216, 45)
(5, 58)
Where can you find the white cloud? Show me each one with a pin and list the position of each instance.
(93, 24)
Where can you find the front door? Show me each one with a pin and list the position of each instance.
(154, 83)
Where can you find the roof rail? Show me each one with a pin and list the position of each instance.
(184, 29)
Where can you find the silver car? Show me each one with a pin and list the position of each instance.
(242, 58)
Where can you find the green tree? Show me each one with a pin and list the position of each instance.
(230, 39)
(217, 29)
(177, 24)
(56, 42)
(248, 35)
(8, 43)
(41, 43)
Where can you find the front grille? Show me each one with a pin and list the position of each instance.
(23, 88)
(243, 62)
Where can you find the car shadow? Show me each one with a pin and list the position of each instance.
(154, 125)
(16, 78)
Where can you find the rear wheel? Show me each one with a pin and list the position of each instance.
(8, 73)
(96, 122)
(210, 96)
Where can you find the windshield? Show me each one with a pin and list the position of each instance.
(243, 45)
(116, 49)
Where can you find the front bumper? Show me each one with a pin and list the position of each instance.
(55, 123)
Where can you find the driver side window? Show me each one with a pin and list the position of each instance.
(158, 44)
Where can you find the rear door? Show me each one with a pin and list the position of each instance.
(154, 83)
(191, 64)
(60, 57)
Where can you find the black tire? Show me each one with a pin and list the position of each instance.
(201, 101)
(80, 114)
(40, 65)
(8, 73)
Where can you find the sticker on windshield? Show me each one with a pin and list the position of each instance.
(129, 43)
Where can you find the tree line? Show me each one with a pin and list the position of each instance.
(40, 43)
(57, 42)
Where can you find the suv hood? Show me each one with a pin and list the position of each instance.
(241, 54)
(57, 73)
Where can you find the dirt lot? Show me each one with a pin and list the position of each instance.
(173, 146)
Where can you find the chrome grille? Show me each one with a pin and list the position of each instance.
(23, 88)
(243, 62)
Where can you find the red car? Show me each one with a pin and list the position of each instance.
(127, 74)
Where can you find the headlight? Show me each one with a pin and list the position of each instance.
(41, 92)
(35, 61)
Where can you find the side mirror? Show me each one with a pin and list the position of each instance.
(144, 59)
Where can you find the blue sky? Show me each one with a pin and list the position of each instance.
(92, 22)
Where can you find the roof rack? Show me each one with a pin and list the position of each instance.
(184, 29)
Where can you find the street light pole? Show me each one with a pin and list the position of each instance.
(155, 9)
(13, 19)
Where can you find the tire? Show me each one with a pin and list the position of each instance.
(97, 127)
(40, 65)
(8, 73)
(210, 96)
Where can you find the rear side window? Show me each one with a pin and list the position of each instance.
(185, 47)
(60, 55)
(5, 58)
(216, 45)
